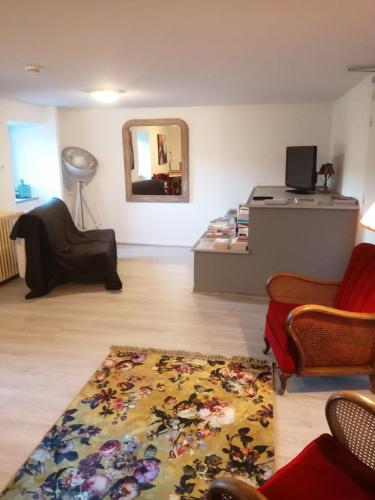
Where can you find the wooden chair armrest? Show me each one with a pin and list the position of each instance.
(233, 489)
(297, 289)
(328, 337)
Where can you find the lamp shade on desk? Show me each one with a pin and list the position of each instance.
(368, 220)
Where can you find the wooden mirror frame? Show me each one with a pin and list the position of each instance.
(181, 198)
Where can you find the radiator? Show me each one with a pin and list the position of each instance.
(8, 258)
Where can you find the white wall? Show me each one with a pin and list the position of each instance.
(369, 178)
(232, 149)
(353, 147)
(14, 111)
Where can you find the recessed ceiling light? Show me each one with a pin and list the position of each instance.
(33, 68)
(106, 96)
(364, 68)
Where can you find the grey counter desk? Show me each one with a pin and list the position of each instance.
(307, 235)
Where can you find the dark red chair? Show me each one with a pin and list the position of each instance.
(166, 181)
(337, 467)
(319, 327)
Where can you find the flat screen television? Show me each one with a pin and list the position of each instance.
(300, 172)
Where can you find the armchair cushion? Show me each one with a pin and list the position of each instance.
(282, 345)
(357, 289)
(324, 469)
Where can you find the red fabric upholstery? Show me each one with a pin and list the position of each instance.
(356, 293)
(282, 345)
(325, 469)
(161, 177)
(357, 289)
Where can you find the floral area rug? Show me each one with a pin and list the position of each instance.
(156, 425)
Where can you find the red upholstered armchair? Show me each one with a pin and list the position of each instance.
(319, 327)
(337, 467)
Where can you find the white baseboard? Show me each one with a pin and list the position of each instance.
(154, 243)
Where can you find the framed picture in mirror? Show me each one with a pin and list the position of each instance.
(162, 149)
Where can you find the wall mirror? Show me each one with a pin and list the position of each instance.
(156, 158)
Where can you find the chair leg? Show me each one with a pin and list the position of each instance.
(267, 348)
(372, 383)
(283, 380)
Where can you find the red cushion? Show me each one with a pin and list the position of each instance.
(282, 345)
(357, 289)
(325, 469)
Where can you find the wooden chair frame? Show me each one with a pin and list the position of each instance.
(329, 341)
(228, 488)
(351, 419)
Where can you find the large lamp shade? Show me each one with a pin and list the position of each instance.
(368, 220)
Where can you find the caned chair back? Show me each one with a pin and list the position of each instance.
(351, 418)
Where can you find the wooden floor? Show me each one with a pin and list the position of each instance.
(50, 346)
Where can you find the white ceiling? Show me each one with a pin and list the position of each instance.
(184, 52)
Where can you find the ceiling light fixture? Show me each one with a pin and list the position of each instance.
(33, 68)
(106, 96)
(363, 68)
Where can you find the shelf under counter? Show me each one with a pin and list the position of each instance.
(206, 246)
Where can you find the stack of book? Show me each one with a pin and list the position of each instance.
(223, 227)
(220, 235)
(243, 222)
(221, 244)
(238, 245)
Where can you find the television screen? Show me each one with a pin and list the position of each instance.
(301, 167)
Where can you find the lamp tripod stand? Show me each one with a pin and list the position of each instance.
(79, 218)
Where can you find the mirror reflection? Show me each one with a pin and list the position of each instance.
(155, 154)
(156, 165)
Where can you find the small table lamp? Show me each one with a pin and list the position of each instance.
(368, 220)
(327, 170)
